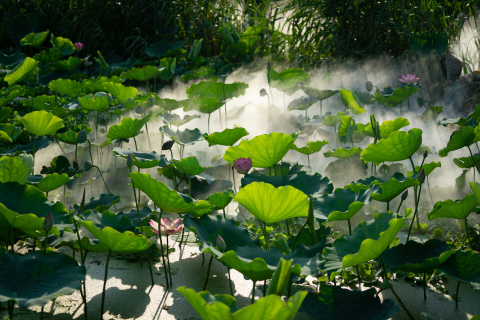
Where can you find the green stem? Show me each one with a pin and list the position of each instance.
(209, 123)
(473, 159)
(417, 201)
(234, 184)
(189, 186)
(428, 185)
(264, 231)
(169, 268)
(208, 273)
(105, 282)
(468, 236)
(424, 286)
(33, 152)
(288, 228)
(253, 291)
(398, 209)
(224, 215)
(11, 306)
(456, 295)
(135, 140)
(349, 227)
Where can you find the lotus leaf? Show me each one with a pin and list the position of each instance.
(417, 257)
(165, 198)
(427, 168)
(5, 114)
(203, 186)
(333, 120)
(464, 266)
(368, 241)
(475, 186)
(22, 71)
(389, 126)
(396, 97)
(98, 101)
(342, 204)
(175, 120)
(392, 188)
(304, 241)
(93, 85)
(39, 144)
(189, 166)
(287, 81)
(65, 46)
(162, 48)
(302, 103)
(467, 162)
(167, 68)
(12, 59)
(67, 87)
(336, 303)
(202, 104)
(464, 137)
(270, 204)
(43, 102)
(100, 204)
(227, 137)
(120, 92)
(319, 94)
(168, 104)
(342, 153)
(265, 150)
(311, 147)
(128, 128)
(8, 94)
(221, 199)
(49, 55)
(4, 136)
(11, 131)
(143, 160)
(350, 101)
(398, 146)
(185, 138)
(89, 245)
(141, 74)
(31, 283)
(42, 123)
(217, 90)
(16, 169)
(459, 209)
(101, 61)
(52, 182)
(70, 64)
(105, 219)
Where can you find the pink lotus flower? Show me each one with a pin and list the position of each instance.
(168, 226)
(78, 46)
(243, 165)
(410, 78)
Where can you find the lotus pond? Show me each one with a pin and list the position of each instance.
(323, 197)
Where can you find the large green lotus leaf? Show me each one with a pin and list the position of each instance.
(49, 55)
(461, 138)
(11, 130)
(224, 307)
(202, 104)
(458, 209)
(389, 126)
(37, 278)
(270, 204)
(319, 94)
(165, 198)
(417, 257)
(70, 64)
(309, 183)
(96, 102)
(311, 147)
(128, 128)
(398, 95)
(217, 90)
(227, 137)
(94, 85)
(69, 137)
(336, 303)
(302, 103)
(22, 71)
(287, 81)
(9, 93)
(342, 153)
(168, 104)
(100, 204)
(141, 74)
(120, 92)
(162, 48)
(428, 168)
(67, 87)
(42, 123)
(12, 59)
(398, 146)
(189, 166)
(4, 136)
(90, 245)
(464, 266)
(64, 45)
(475, 186)
(120, 242)
(342, 204)
(177, 121)
(142, 160)
(167, 68)
(221, 199)
(42, 102)
(392, 188)
(16, 169)
(52, 182)
(106, 219)
(186, 138)
(350, 101)
(265, 150)
(368, 241)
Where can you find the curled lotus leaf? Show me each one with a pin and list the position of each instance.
(459, 209)
(388, 126)
(64, 45)
(311, 147)
(128, 128)
(143, 160)
(69, 64)
(351, 101)
(8, 94)
(22, 71)
(463, 137)
(428, 168)
(175, 120)
(227, 137)
(119, 91)
(189, 165)
(221, 199)
(98, 101)
(342, 204)
(186, 137)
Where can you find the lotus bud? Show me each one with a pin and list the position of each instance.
(369, 86)
(243, 165)
(220, 243)
(129, 160)
(420, 102)
(87, 166)
(78, 46)
(405, 195)
(81, 136)
(48, 223)
(70, 209)
(139, 110)
(269, 65)
(263, 93)
(425, 154)
(421, 176)
(168, 145)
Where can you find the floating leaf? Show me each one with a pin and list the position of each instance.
(227, 137)
(128, 128)
(42, 123)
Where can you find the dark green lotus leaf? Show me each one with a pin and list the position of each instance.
(167, 68)
(271, 307)
(43, 102)
(37, 278)
(100, 204)
(11, 130)
(305, 242)
(16, 169)
(342, 204)
(203, 187)
(12, 59)
(120, 223)
(67, 87)
(302, 103)
(367, 242)
(342, 153)
(459, 209)
(429, 167)
(288, 80)
(128, 128)
(319, 94)
(464, 137)
(227, 137)
(120, 92)
(162, 48)
(142, 160)
(217, 90)
(467, 162)
(10, 93)
(336, 303)
(168, 104)
(398, 95)
(311, 147)
(398, 146)
(5, 114)
(417, 257)
(350, 101)
(70, 64)
(69, 137)
(133, 215)
(89, 245)
(221, 199)
(186, 137)
(52, 182)
(141, 74)
(282, 169)
(22, 71)
(28, 148)
(202, 104)
(309, 183)
(48, 55)
(65, 46)
(464, 266)
(177, 121)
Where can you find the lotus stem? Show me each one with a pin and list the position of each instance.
(350, 226)
(398, 209)
(105, 282)
(101, 175)
(189, 186)
(388, 206)
(417, 201)
(203, 259)
(290, 282)
(33, 153)
(148, 137)
(168, 261)
(253, 291)
(76, 147)
(264, 230)
(161, 249)
(288, 228)
(220, 115)
(209, 123)
(468, 236)
(208, 273)
(224, 215)
(321, 108)
(424, 286)
(82, 259)
(135, 140)
(230, 281)
(11, 306)
(473, 159)
(456, 295)
(308, 159)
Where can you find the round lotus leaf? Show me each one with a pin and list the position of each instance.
(42, 123)
(221, 199)
(52, 182)
(311, 147)
(128, 128)
(93, 85)
(37, 278)
(189, 166)
(119, 91)
(22, 71)
(464, 266)
(227, 137)
(217, 90)
(459, 209)
(16, 169)
(98, 101)
(67, 87)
